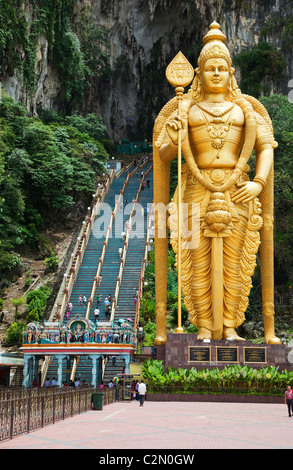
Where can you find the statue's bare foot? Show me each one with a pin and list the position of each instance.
(204, 333)
(230, 333)
(159, 340)
(273, 340)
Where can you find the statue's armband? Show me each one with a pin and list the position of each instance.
(263, 136)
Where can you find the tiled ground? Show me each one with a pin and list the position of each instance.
(171, 425)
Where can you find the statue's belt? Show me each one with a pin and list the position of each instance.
(217, 176)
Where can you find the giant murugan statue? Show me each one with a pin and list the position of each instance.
(218, 127)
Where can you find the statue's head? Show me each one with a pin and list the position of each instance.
(214, 46)
(214, 57)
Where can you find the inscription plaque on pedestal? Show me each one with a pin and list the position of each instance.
(199, 354)
(257, 355)
(227, 354)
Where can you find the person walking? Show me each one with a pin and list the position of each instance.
(142, 392)
(108, 312)
(289, 400)
(136, 391)
(97, 313)
(77, 382)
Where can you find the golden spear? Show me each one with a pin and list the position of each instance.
(179, 74)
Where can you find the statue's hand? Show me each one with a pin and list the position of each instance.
(173, 126)
(248, 190)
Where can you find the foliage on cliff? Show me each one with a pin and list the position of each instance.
(46, 166)
(77, 50)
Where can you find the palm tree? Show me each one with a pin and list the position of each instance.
(17, 303)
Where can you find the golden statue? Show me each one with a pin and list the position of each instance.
(216, 127)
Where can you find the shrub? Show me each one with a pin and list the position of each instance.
(14, 333)
(231, 379)
(37, 301)
(52, 262)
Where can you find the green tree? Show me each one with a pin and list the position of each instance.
(281, 113)
(260, 67)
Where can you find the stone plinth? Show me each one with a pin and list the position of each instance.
(186, 351)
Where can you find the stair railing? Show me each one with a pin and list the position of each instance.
(126, 168)
(44, 369)
(74, 367)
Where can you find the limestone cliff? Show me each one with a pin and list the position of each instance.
(143, 36)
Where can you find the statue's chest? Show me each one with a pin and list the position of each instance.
(216, 124)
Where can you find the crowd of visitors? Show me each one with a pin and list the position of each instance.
(72, 383)
(138, 389)
(82, 301)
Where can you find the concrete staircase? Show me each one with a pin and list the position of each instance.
(110, 270)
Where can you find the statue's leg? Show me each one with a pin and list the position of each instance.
(266, 253)
(201, 287)
(232, 247)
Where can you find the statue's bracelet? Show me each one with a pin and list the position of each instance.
(173, 145)
(260, 180)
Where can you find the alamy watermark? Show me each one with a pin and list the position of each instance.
(134, 218)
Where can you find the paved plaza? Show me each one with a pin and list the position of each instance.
(171, 425)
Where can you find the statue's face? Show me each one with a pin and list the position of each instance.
(215, 76)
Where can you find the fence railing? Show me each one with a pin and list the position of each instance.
(25, 410)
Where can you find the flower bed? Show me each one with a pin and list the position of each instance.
(231, 380)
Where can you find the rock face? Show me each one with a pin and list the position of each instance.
(143, 37)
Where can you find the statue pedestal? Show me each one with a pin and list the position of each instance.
(186, 351)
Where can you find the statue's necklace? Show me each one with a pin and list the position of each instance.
(220, 128)
(216, 111)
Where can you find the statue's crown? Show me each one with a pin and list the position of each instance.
(214, 34)
(214, 46)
